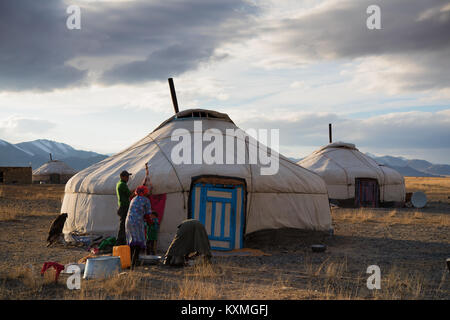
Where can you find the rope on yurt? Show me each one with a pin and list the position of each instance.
(343, 169)
(176, 173)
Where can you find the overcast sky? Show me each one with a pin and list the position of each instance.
(291, 65)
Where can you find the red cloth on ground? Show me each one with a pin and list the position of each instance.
(58, 267)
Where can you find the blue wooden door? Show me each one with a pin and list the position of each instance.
(220, 209)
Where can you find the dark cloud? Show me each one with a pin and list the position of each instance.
(152, 40)
(413, 31)
(339, 29)
(169, 37)
(429, 70)
(161, 63)
(35, 45)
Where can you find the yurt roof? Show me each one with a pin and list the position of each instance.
(54, 167)
(167, 177)
(339, 144)
(196, 113)
(340, 160)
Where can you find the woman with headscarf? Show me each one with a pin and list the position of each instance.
(135, 224)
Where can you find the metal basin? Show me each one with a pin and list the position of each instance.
(101, 267)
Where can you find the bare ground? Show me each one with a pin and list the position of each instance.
(409, 245)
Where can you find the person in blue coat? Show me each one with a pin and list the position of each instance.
(135, 224)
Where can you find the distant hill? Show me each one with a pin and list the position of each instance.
(414, 167)
(411, 172)
(37, 152)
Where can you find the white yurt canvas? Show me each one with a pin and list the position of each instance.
(231, 200)
(54, 171)
(355, 179)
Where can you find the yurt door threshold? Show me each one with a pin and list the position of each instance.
(220, 209)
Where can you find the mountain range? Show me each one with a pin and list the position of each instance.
(408, 167)
(413, 167)
(37, 152)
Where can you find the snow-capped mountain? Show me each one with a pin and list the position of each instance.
(12, 155)
(58, 150)
(37, 152)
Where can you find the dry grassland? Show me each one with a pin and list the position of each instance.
(409, 245)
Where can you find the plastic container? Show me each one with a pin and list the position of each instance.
(124, 253)
(101, 267)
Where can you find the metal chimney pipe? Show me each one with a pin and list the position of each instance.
(174, 95)
(51, 157)
(329, 133)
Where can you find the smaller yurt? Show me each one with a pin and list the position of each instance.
(54, 171)
(354, 179)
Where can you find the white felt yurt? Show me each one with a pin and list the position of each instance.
(54, 171)
(231, 200)
(354, 179)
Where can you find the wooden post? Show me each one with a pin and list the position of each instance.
(174, 95)
(329, 133)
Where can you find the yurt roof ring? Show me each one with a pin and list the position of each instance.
(190, 113)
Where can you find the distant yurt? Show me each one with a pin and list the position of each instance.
(354, 179)
(54, 171)
(231, 200)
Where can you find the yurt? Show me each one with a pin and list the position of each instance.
(231, 198)
(54, 171)
(354, 179)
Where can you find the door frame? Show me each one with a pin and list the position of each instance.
(357, 200)
(227, 182)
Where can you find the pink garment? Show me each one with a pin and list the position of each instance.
(158, 202)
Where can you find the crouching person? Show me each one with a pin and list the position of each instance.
(191, 239)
